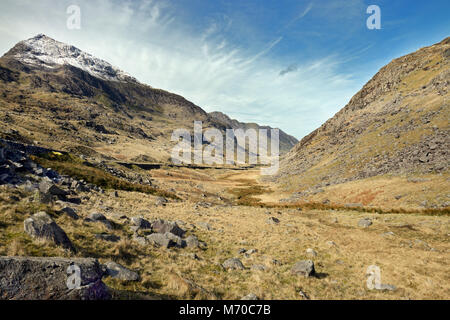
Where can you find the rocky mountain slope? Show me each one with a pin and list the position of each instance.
(57, 96)
(396, 125)
(286, 141)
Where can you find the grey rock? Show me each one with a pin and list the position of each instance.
(273, 220)
(204, 225)
(250, 296)
(160, 240)
(118, 271)
(303, 268)
(233, 263)
(141, 223)
(311, 252)
(95, 216)
(162, 226)
(69, 212)
(35, 278)
(107, 237)
(192, 242)
(258, 267)
(365, 223)
(41, 226)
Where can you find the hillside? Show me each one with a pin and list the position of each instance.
(390, 140)
(57, 96)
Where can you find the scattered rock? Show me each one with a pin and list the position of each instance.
(69, 212)
(141, 223)
(311, 252)
(250, 296)
(233, 264)
(117, 271)
(259, 267)
(303, 268)
(192, 242)
(96, 216)
(273, 220)
(162, 226)
(41, 226)
(107, 237)
(365, 223)
(204, 225)
(160, 240)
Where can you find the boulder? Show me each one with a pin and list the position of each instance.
(141, 223)
(233, 263)
(41, 226)
(33, 278)
(69, 212)
(160, 240)
(162, 226)
(117, 271)
(365, 223)
(303, 268)
(192, 242)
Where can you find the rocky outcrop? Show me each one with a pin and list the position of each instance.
(33, 278)
(41, 226)
(396, 124)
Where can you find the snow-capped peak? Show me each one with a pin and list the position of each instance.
(45, 51)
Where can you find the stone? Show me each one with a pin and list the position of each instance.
(48, 187)
(176, 239)
(273, 220)
(365, 223)
(160, 201)
(204, 225)
(162, 226)
(141, 223)
(107, 237)
(192, 242)
(303, 268)
(36, 278)
(41, 226)
(233, 264)
(311, 252)
(250, 296)
(160, 240)
(95, 216)
(69, 212)
(118, 271)
(258, 267)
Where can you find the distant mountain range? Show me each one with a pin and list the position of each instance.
(58, 96)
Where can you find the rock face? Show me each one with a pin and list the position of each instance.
(32, 278)
(41, 226)
(396, 124)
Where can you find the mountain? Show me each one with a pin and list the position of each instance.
(58, 96)
(286, 141)
(394, 130)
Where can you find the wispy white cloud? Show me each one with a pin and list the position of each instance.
(153, 44)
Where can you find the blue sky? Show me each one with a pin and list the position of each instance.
(288, 64)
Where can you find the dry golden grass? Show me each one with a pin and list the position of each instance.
(419, 271)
